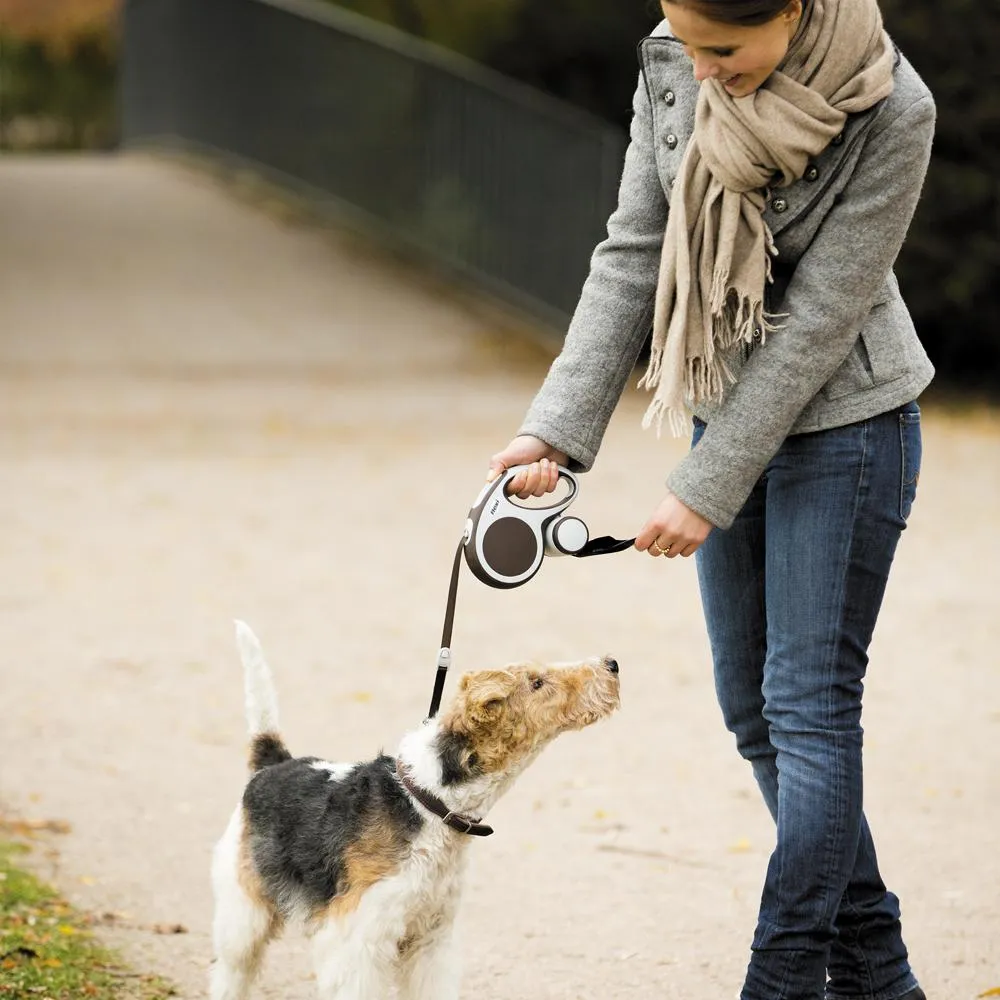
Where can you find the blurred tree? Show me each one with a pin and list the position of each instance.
(56, 24)
(580, 50)
(57, 73)
(471, 27)
(950, 266)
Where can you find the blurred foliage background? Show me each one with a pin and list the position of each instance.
(57, 71)
(57, 74)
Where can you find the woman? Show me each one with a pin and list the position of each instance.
(777, 154)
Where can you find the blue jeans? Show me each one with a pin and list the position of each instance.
(791, 593)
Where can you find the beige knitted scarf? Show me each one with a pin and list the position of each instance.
(717, 249)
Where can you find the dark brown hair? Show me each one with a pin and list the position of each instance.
(742, 13)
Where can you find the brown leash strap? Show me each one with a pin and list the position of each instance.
(444, 654)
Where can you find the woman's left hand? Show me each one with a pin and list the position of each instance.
(673, 530)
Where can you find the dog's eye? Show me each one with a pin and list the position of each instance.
(537, 683)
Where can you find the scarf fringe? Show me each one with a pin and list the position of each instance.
(677, 417)
(651, 377)
(705, 380)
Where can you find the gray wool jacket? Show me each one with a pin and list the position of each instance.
(846, 348)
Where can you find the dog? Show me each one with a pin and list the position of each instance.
(368, 857)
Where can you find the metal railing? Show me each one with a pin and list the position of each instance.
(489, 177)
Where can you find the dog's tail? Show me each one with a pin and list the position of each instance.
(266, 746)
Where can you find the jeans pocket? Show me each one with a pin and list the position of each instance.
(911, 448)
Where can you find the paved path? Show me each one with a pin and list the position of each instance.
(209, 411)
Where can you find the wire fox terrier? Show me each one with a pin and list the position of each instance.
(368, 857)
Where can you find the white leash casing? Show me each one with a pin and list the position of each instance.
(505, 541)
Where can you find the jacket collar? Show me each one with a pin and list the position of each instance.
(665, 68)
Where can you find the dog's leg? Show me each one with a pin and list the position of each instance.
(354, 960)
(431, 971)
(242, 925)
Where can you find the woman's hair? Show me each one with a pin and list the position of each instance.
(743, 13)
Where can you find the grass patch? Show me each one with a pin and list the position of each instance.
(47, 950)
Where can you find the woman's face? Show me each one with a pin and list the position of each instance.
(740, 58)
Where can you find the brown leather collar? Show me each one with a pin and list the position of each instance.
(457, 821)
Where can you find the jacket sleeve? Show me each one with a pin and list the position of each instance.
(827, 302)
(609, 326)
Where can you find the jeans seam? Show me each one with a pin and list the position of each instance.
(832, 656)
(855, 946)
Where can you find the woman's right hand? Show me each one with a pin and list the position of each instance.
(543, 461)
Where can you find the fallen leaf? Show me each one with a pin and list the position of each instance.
(995, 992)
(29, 827)
(49, 825)
(88, 880)
(169, 929)
(276, 424)
(362, 697)
(740, 847)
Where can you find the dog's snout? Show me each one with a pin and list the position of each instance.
(612, 665)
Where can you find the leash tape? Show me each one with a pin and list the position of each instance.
(604, 546)
(444, 654)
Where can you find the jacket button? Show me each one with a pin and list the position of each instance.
(779, 204)
(671, 141)
(838, 140)
(669, 98)
(812, 173)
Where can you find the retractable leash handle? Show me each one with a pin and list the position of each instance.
(506, 540)
(504, 544)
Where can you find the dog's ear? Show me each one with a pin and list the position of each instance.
(485, 693)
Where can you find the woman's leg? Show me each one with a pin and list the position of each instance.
(868, 958)
(771, 549)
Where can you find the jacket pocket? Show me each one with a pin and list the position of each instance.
(854, 375)
(871, 361)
